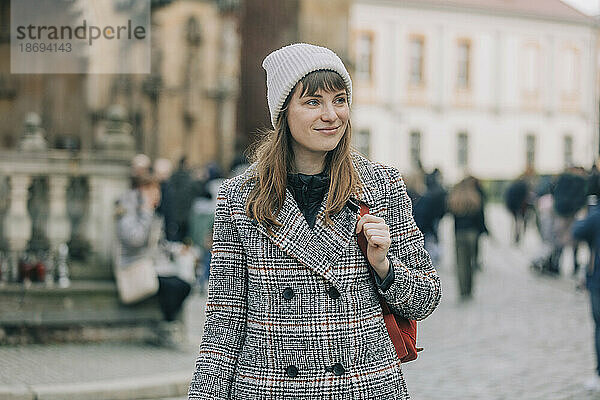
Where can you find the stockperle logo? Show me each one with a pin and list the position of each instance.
(80, 36)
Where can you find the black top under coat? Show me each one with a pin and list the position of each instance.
(309, 191)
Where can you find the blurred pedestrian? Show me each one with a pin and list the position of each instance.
(466, 204)
(202, 216)
(288, 278)
(415, 182)
(569, 197)
(545, 220)
(428, 210)
(179, 195)
(140, 167)
(593, 181)
(517, 200)
(140, 235)
(162, 170)
(588, 230)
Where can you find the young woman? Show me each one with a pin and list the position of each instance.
(293, 310)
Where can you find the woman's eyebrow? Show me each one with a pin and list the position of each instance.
(340, 93)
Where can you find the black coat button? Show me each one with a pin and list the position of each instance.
(333, 293)
(338, 369)
(292, 371)
(288, 293)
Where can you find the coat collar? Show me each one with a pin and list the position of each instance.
(320, 248)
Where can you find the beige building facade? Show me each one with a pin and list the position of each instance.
(485, 87)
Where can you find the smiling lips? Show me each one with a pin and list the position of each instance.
(329, 130)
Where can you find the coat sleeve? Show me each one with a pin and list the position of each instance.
(416, 289)
(133, 227)
(226, 309)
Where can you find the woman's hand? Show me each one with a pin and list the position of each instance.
(378, 237)
(150, 196)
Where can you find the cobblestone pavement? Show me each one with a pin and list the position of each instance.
(522, 337)
(121, 366)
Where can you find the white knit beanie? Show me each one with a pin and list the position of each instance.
(287, 66)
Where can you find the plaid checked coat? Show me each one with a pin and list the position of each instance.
(294, 314)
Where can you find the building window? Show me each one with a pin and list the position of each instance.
(362, 142)
(568, 148)
(463, 150)
(415, 149)
(464, 64)
(571, 72)
(364, 56)
(417, 47)
(530, 151)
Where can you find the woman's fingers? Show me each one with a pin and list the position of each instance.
(376, 232)
(368, 219)
(379, 240)
(376, 226)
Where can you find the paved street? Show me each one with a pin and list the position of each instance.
(522, 337)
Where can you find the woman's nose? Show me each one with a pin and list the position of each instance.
(328, 113)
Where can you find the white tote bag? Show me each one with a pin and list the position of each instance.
(138, 280)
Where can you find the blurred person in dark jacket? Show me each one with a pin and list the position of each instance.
(466, 204)
(588, 230)
(593, 180)
(162, 169)
(569, 197)
(179, 195)
(517, 201)
(428, 210)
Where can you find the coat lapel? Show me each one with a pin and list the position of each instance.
(321, 247)
(295, 238)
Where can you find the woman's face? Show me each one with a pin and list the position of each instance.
(317, 122)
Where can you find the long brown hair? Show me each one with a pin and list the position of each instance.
(464, 199)
(275, 158)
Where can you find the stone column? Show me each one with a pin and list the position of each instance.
(59, 227)
(18, 222)
(4, 205)
(104, 191)
(95, 209)
(228, 89)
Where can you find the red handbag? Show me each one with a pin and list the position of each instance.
(402, 331)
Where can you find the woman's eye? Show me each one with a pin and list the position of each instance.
(312, 102)
(340, 100)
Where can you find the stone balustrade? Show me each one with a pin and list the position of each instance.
(42, 204)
